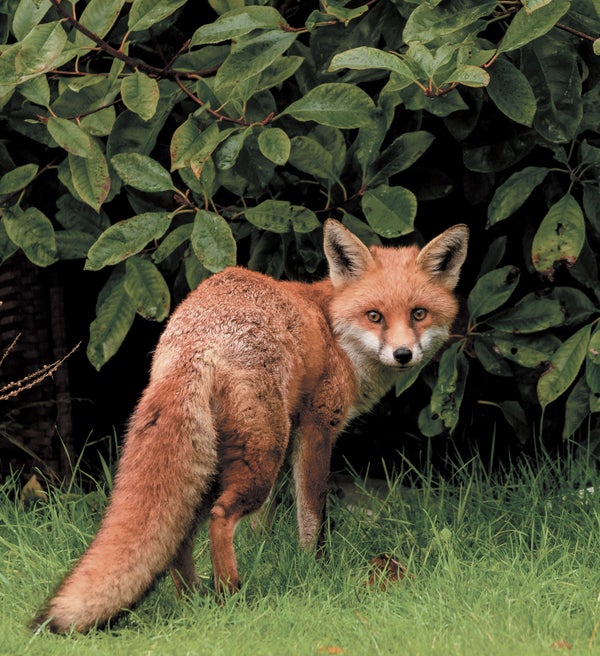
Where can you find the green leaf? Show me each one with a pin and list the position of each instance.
(469, 76)
(527, 350)
(146, 13)
(98, 16)
(275, 145)
(69, 136)
(193, 147)
(281, 217)
(40, 50)
(73, 244)
(577, 408)
(427, 23)
(366, 58)
(147, 288)
(526, 26)
(516, 417)
(7, 247)
(552, 68)
(115, 312)
(448, 392)
(510, 195)
(126, 238)
(195, 273)
(229, 150)
(252, 58)
(236, 23)
(90, 176)
(564, 367)
(17, 179)
(140, 94)
(492, 290)
(27, 15)
(309, 156)
(531, 314)
(511, 92)
(31, 231)
(142, 172)
(213, 241)
(402, 153)
(338, 105)
(390, 211)
(172, 241)
(560, 236)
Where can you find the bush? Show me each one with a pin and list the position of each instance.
(229, 134)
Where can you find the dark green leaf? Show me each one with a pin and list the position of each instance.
(140, 94)
(251, 58)
(90, 176)
(126, 238)
(427, 23)
(511, 92)
(338, 105)
(236, 23)
(527, 350)
(142, 172)
(527, 26)
(17, 179)
(448, 392)
(31, 231)
(492, 290)
(69, 136)
(390, 211)
(275, 145)
(531, 314)
(552, 68)
(172, 241)
(560, 236)
(514, 192)
(280, 216)
(402, 153)
(73, 244)
(146, 13)
(147, 288)
(564, 367)
(114, 316)
(577, 408)
(212, 241)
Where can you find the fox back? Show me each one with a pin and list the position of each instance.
(246, 366)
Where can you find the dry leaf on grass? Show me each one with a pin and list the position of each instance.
(386, 569)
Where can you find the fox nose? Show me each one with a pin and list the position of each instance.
(403, 355)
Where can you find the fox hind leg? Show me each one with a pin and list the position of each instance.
(250, 466)
(311, 464)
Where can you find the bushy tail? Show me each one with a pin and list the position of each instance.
(168, 462)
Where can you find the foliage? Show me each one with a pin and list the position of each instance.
(229, 134)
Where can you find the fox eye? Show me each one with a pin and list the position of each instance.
(418, 314)
(374, 317)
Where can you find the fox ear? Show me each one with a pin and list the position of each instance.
(347, 256)
(443, 256)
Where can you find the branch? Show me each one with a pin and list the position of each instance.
(133, 62)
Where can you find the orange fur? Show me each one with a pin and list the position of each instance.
(245, 364)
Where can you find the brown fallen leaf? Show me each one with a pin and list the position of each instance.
(330, 650)
(560, 644)
(386, 569)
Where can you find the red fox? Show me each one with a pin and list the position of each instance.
(246, 364)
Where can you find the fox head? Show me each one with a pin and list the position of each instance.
(393, 306)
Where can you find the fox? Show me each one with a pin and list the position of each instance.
(246, 367)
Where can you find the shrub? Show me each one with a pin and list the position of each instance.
(229, 133)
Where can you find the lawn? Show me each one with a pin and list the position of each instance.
(506, 564)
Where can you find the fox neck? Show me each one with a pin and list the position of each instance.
(374, 378)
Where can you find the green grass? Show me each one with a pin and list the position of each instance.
(508, 567)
